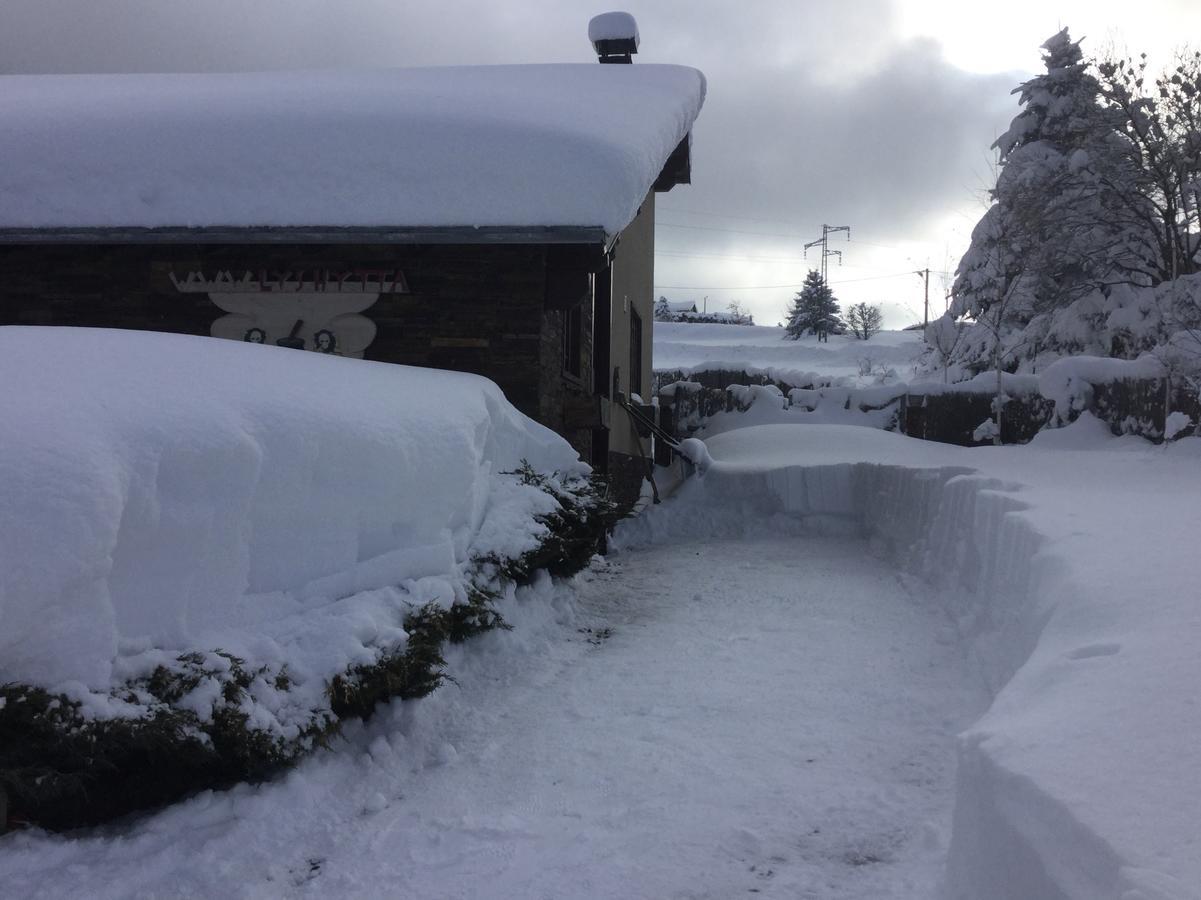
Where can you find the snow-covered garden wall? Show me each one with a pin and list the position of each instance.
(1131, 396)
(1063, 567)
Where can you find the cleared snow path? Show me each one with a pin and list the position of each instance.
(769, 718)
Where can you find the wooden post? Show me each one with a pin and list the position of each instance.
(926, 314)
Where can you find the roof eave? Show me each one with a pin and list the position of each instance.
(371, 234)
(678, 168)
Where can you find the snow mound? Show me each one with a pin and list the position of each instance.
(1087, 432)
(164, 492)
(694, 450)
(534, 145)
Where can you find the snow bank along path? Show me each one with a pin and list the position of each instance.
(165, 493)
(769, 717)
(1069, 566)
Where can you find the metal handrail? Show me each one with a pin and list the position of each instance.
(639, 416)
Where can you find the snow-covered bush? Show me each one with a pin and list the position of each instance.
(212, 551)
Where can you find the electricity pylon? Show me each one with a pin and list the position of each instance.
(824, 240)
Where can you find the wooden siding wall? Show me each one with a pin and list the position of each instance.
(473, 308)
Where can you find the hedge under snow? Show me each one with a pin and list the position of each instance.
(193, 529)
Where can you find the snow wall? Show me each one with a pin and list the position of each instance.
(1053, 799)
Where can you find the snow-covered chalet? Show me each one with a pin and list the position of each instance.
(497, 220)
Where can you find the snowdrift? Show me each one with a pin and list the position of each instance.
(165, 491)
(1066, 567)
(211, 552)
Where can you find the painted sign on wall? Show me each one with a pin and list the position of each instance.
(303, 309)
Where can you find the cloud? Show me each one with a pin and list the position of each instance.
(888, 149)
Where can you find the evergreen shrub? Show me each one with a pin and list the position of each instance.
(61, 768)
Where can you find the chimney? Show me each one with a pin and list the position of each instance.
(614, 36)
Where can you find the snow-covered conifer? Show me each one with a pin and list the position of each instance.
(814, 309)
(1052, 234)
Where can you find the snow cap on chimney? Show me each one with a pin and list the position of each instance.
(614, 36)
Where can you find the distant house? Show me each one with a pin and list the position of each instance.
(670, 310)
(497, 220)
(686, 311)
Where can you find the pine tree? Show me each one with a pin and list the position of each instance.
(663, 311)
(1054, 233)
(1046, 240)
(1048, 237)
(814, 310)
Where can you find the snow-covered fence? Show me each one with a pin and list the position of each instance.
(693, 403)
(952, 414)
(718, 379)
(690, 404)
(1130, 396)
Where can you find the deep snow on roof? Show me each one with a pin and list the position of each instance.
(535, 145)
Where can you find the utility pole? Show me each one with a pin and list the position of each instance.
(925, 275)
(824, 241)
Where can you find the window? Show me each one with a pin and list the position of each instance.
(635, 352)
(573, 326)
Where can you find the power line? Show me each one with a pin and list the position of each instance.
(871, 278)
(755, 219)
(697, 212)
(783, 259)
(791, 237)
(787, 259)
(779, 259)
(765, 287)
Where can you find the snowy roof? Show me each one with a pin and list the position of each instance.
(507, 146)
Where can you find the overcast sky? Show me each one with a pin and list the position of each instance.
(876, 114)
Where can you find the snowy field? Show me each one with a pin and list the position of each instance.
(843, 360)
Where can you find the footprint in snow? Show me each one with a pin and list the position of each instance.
(1094, 650)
